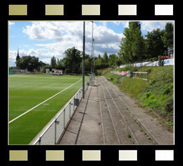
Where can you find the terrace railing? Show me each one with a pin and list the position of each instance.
(140, 75)
(54, 130)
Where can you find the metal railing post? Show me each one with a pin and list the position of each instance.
(64, 118)
(79, 95)
(69, 110)
(55, 131)
(39, 141)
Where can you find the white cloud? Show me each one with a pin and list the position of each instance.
(117, 22)
(42, 54)
(11, 23)
(125, 24)
(70, 34)
(151, 25)
(42, 31)
(163, 23)
(61, 35)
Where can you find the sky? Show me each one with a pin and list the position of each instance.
(45, 39)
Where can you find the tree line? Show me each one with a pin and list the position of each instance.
(136, 47)
(133, 47)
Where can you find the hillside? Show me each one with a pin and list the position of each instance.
(156, 95)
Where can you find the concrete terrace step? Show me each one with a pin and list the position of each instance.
(106, 116)
(150, 124)
(128, 128)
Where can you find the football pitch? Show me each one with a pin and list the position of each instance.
(34, 100)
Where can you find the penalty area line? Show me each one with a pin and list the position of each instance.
(42, 102)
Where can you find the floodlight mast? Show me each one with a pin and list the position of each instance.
(83, 71)
(92, 51)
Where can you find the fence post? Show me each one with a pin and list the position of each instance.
(64, 118)
(69, 110)
(39, 141)
(79, 95)
(131, 74)
(147, 76)
(55, 131)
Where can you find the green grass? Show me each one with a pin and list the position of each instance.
(25, 92)
(102, 71)
(112, 77)
(126, 68)
(133, 87)
(156, 94)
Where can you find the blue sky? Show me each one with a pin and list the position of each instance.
(45, 39)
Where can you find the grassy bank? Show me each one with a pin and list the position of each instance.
(156, 95)
(102, 71)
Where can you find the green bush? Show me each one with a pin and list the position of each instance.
(43, 70)
(168, 88)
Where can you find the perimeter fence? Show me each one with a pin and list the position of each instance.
(54, 130)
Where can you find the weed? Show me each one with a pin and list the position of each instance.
(149, 138)
(128, 135)
(170, 123)
(135, 120)
(151, 82)
(160, 121)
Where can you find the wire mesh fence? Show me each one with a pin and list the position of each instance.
(52, 132)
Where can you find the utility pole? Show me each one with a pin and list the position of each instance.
(83, 59)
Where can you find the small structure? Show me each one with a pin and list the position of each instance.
(55, 71)
(58, 72)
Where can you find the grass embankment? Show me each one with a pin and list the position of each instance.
(156, 95)
(102, 71)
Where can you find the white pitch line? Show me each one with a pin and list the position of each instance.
(42, 102)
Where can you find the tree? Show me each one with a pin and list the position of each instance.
(112, 60)
(168, 35)
(105, 57)
(60, 63)
(28, 62)
(73, 60)
(132, 46)
(119, 61)
(88, 61)
(154, 43)
(41, 63)
(53, 62)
